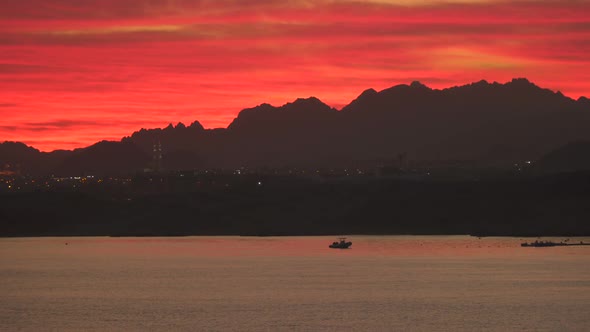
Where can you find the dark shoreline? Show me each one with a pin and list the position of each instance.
(557, 205)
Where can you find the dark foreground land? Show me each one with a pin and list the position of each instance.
(556, 205)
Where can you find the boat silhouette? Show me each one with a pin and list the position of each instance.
(341, 244)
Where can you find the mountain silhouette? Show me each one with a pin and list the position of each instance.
(480, 123)
(104, 158)
(20, 158)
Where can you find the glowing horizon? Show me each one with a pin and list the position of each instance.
(72, 74)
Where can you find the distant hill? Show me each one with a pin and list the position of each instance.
(572, 157)
(18, 157)
(104, 158)
(480, 123)
(16, 152)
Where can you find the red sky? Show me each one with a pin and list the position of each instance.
(75, 72)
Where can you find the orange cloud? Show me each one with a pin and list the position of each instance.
(110, 67)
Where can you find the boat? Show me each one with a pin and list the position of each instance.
(341, 244)
(552, 244)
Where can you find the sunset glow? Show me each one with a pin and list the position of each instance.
(72, 73)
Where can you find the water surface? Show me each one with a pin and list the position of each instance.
(446, 283)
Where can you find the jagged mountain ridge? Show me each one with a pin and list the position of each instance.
(480, 122)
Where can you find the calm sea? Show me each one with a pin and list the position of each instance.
(384, 283)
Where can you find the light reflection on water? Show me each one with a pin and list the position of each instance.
(292, 283)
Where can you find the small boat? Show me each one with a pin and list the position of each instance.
(341, 244)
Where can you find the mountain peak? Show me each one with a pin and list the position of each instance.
(10, 150)
(17, 145)
(368, 92)
(418, 84)
(412, 88)
(481, 83)
(196, 125)
(310, 104)
(268, 115)
(365, 96)
(521, 82)
(310, 101)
